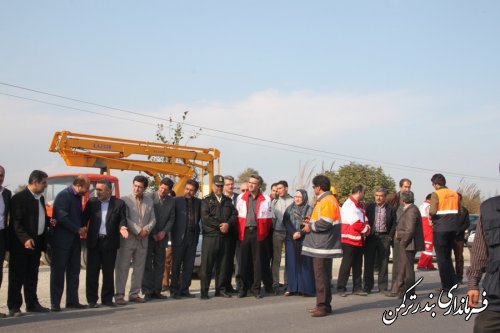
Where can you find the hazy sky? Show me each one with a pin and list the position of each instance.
(413, 83)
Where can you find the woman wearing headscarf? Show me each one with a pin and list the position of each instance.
(299, 268)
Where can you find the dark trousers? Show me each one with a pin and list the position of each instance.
(406, 272)
(154, 268)
(65, 262)
(323, 277)
(23, 273)
(443, 245)
(377, 248)
(266, 258)
(352, 258)
(183, 257)
(395, 260)
(487, 321)
(232, 240)
(252, 253)
(2, 253)
(458, 253)
(214, 255)
(100, 258)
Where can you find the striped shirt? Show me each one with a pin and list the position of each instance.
(479, 258)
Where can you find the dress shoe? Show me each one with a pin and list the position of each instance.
(222, 294)
(37, 308)
(76, 306)
(319, 313)
(93, 305)
(15, 313)
(360, 293)
(159, 296)
(187, 294)
(137, 299)
(231, 290)
(120, 301)
(55, 308)
(110, 304)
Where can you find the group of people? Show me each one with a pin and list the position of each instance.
(243, 234)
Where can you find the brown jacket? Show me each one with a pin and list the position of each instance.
(409, 229)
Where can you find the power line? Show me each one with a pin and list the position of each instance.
(307, 150)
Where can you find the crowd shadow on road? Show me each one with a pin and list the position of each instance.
(30, 318)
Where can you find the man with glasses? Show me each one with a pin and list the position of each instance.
(217, 214)
(255, 222)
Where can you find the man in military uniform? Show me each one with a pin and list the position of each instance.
(217, 214)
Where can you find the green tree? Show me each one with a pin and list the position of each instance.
(347, 176)
(174, 135)
(243, 177)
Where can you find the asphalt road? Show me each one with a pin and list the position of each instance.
(270, 314)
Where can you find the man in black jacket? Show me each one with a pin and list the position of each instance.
(184, 236)
(27, 230)
(217, 214)
(458, 247)
(65, 242)
(381, 218)
(5, 196)
(106, 220)
(164, 207)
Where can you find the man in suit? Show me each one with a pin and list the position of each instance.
(27, 230)
(65, 242)
(397, 206)
(4, 213)
(381, 218)
(164, 209)
(184, 236)
(410, 235)
(140, 222)
(106, 220)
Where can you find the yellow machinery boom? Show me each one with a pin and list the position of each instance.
(107, 153)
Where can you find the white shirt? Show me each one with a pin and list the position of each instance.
(2, 209)
(41, 214)
(104, 212)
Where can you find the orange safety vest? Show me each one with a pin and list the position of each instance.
(447, 202)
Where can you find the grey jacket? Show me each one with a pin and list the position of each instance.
(409, 229)
(134, 221)
(279, 207)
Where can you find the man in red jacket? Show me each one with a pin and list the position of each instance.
(254, 225)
